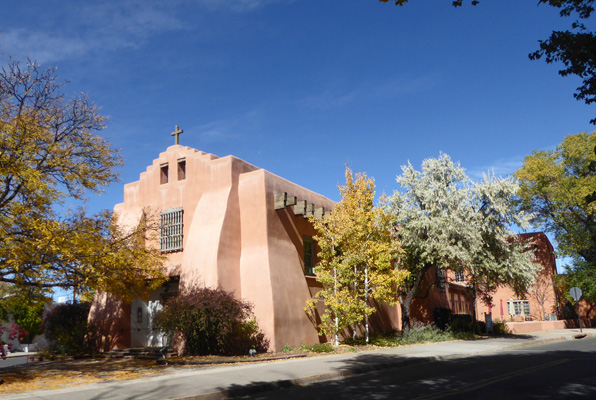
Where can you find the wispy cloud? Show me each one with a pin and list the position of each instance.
(109, 25)
(90, 27)
(239, 5)
(337, 95)
(500, 168)
(232, 128)
(41, 47)
(503, 167)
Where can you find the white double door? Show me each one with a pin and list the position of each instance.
(142, 333)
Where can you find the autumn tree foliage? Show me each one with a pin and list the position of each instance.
(445, 220)
(556, 186)
(50, 153)
(357, 259)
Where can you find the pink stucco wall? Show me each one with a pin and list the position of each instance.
(542, 296)
(233, 237)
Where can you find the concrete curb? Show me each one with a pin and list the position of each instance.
(223, 362)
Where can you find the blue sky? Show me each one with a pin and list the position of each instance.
(301, 88)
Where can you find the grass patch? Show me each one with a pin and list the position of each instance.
(418, 333)
(315, 348)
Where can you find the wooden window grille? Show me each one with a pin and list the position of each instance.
(170, 238)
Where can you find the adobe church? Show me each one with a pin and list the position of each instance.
(226, 223)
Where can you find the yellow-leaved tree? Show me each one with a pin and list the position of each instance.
(358, 256)
(50, 152)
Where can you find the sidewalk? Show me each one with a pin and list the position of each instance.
(225, 381)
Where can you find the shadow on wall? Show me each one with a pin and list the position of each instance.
(574, 323)
(109, 326)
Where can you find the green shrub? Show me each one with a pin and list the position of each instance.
(321, 348)
(419, 333)
(27, 309)
(67, 331)
(441, 317)
(499, 328)
(288, 349)
(381, 340)
(479, 327)
(245, 336)
(461, 323)
(389, 340)
(212, 321)
(569, 311)
(317, 348)
(464, 323)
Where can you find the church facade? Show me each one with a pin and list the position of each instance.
(224, 223)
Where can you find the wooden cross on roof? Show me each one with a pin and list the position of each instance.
(177, 133)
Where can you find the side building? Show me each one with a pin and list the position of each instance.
(449, 290)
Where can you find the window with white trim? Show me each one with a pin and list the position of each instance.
(518, 307)
(460, 276)
(170, 235)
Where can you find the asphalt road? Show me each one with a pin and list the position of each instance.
(561, 370)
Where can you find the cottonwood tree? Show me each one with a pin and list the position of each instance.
(357, 259)
(574, 48)
(445, 220)
(49, 153)
(555, 187)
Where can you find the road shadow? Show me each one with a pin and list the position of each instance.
(513, 374)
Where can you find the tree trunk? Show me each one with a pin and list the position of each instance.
(405, 315)
(406, 303)
(336, 336)
(366, 302)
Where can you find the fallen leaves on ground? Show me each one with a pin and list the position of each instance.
(44, 375)
(58, 374)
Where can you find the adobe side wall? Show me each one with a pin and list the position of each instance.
(542, 297)
(272, 264)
